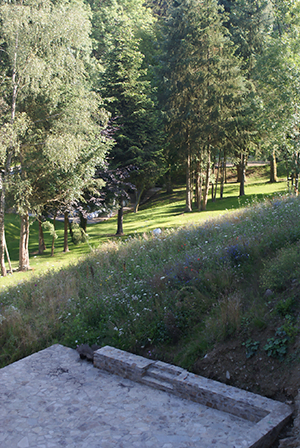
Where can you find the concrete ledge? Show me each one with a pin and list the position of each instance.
(268, 416)
(121, 363)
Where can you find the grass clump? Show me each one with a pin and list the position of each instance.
(31, 315)
(281, 270)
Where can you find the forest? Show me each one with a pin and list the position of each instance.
(102, 98)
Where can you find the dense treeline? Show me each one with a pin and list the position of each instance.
(103, 97)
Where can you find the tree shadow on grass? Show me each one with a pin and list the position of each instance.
(225, 204)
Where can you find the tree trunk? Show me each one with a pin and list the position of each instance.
(2, 235)
(273, 168)
(10, 151)
(82, 221)
(198, 185)
(217, 179)
(297, 174)
(53, 237)
(239, 173)
(24, 241)
(188, 196)
(66, 224)
(222, 179)
(42, 245)
(242, 175)
(225, 167)
(71, 230)
(192, 187)
(241, 168)
(120, 218)
(212, 184)
(138, 195)
(207, 181)
(296, 184)
(169, 186)
(7, 256)
(287, 174)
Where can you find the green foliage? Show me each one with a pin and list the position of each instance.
(128, 93)
(192, 351)
(249, 22)
(277, 75)
(290, 327)
(201, 76)
(285, 307)
(164, 211)
(51, 121)
(259, 322)
(150, 292)
(281, 269)
(51, 229)
(251, 347)
(110, 17)
(78, 234)
(276, 347)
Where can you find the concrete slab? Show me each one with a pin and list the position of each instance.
(53, 399)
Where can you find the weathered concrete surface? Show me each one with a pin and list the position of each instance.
(53, 399)
(268, 415)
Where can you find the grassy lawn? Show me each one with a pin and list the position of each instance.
(164, 211)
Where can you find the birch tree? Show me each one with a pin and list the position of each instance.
(45, 52)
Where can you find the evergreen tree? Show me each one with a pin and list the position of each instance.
(128, 97)
(201, 80)
(278, 77)
(249, 22)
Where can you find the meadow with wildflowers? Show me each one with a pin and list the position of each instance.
(171, 295)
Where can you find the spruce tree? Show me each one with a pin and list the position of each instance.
(278, 77)
(201, 79)
(249, 22)
(128, 96)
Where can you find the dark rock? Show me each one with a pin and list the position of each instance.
(268, 293)
(87, 352)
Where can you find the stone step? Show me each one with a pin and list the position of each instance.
(160, 374)
(157, 383)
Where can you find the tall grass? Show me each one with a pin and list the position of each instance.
(187, 287)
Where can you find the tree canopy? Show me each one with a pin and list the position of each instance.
(50, 135)
(130, 91)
